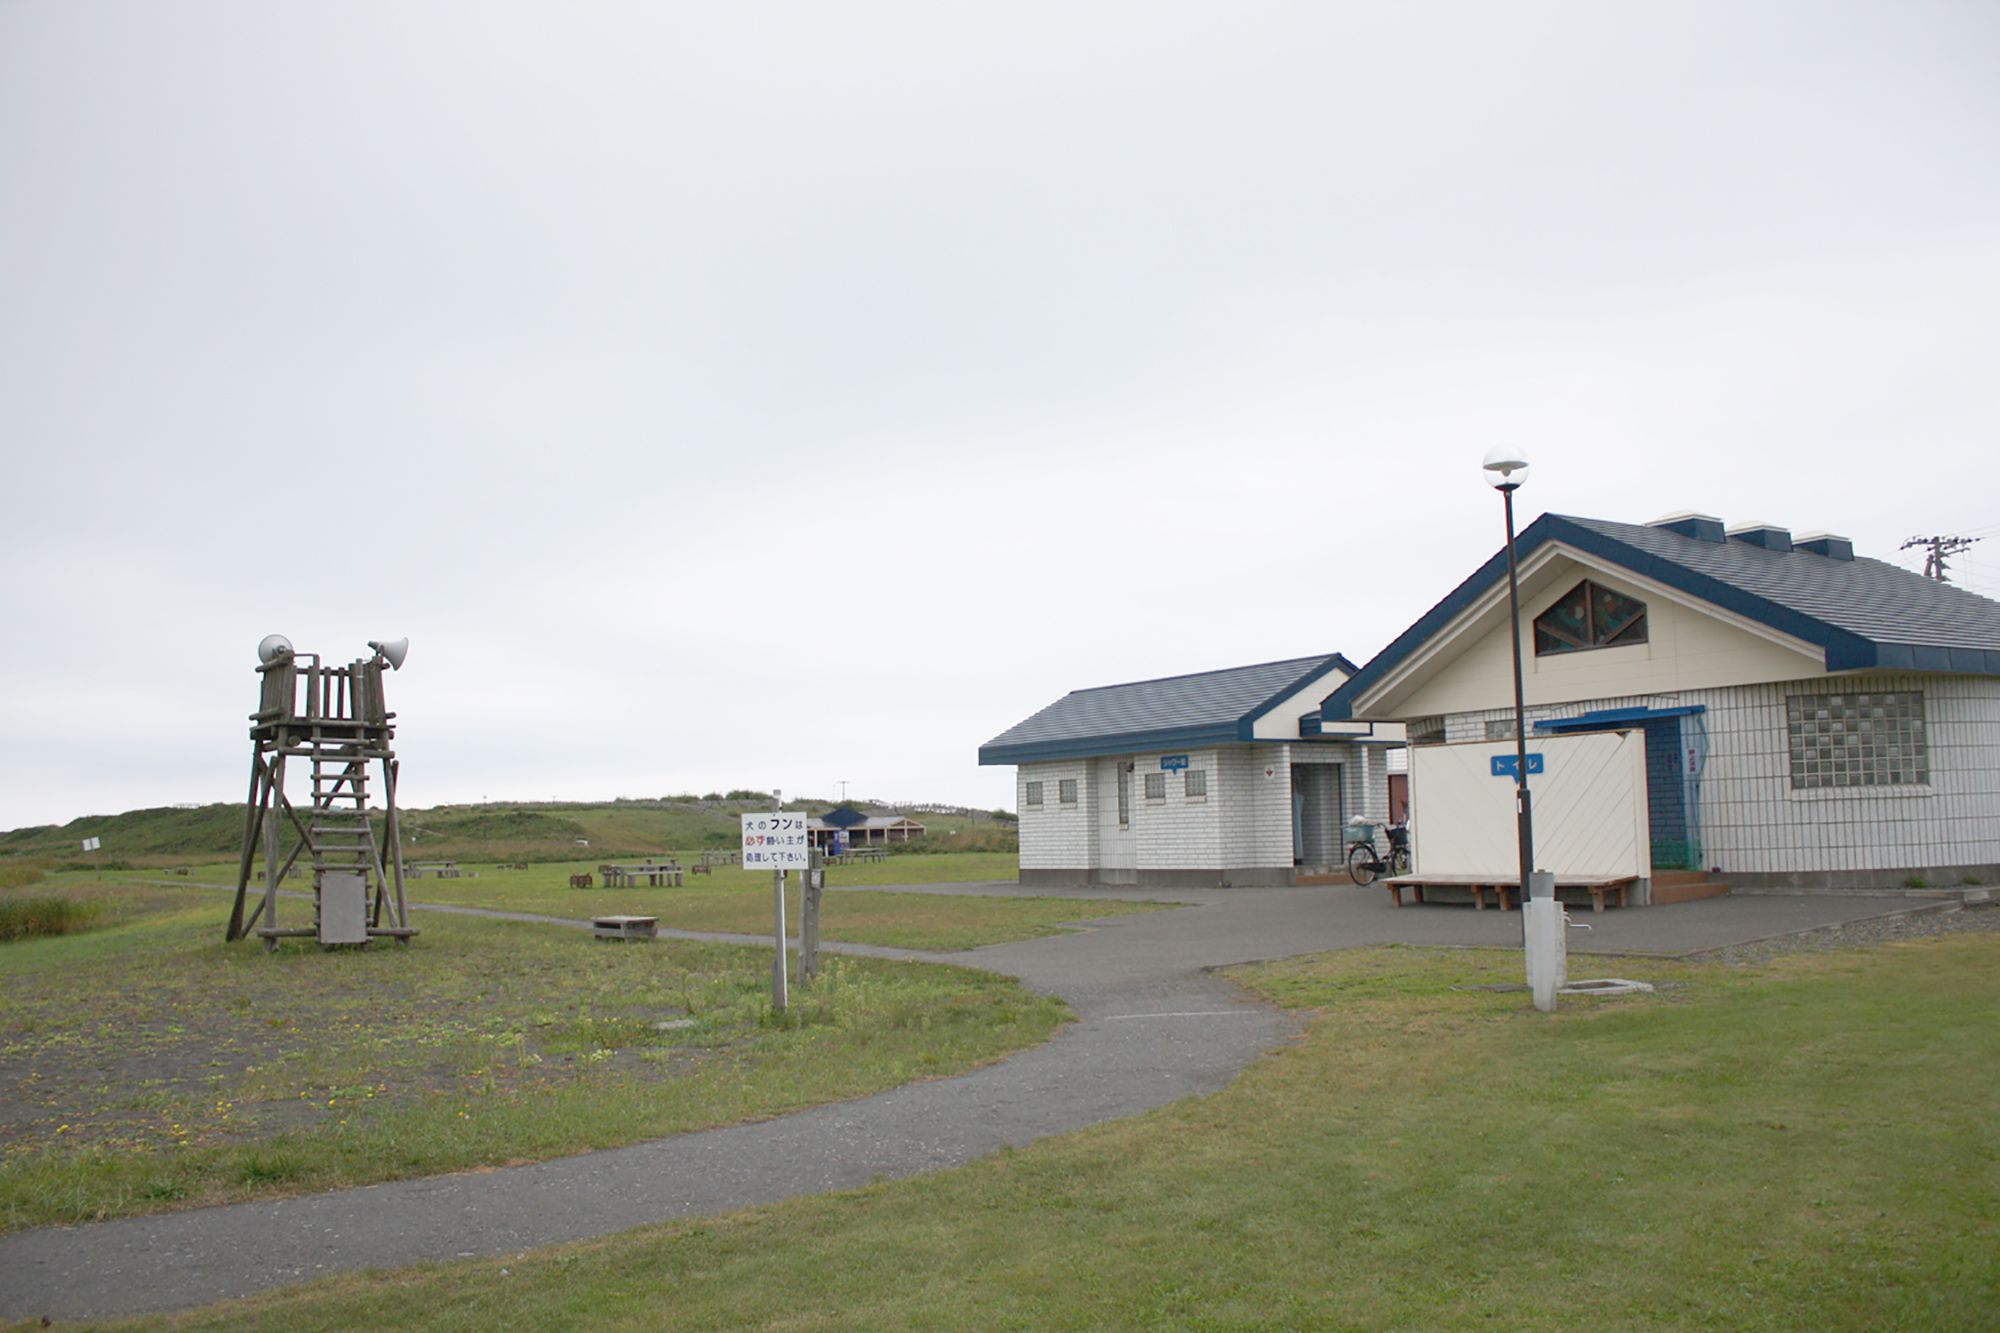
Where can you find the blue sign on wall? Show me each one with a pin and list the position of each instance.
(1173, 762)
(1506, 765)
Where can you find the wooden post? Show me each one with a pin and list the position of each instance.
(815, 884)
(272, 872)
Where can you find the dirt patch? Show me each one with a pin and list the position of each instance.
(1861, 934)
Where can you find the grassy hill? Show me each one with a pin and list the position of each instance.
(500, 831)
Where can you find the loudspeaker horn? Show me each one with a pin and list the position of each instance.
(394, 651)
(272, 647)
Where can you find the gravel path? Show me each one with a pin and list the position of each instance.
(1155, 1025)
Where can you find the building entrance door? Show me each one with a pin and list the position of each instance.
(1117, 845)
(1316, 814)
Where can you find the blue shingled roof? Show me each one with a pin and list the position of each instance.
(1865, 614)
(1207, 708)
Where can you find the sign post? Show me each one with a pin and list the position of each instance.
(91, 845)
(777, 841)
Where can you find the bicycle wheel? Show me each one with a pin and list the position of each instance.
(1362, 864)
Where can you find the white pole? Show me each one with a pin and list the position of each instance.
(778, 964)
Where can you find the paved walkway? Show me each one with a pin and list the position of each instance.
(1154, 1026)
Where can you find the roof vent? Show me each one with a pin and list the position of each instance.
(1767, 535)
(1701, 527)
(1826, 544)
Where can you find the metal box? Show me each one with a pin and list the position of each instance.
(343, 908)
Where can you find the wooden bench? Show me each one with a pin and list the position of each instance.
(625, 927)
(628, 877)
(1508, 891)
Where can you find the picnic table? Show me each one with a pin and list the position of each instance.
(856, 855)
(628, 877)
(436, 869)
(1507, 890)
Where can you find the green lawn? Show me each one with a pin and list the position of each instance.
(147, 1065)
(1808, 1144)
(733, 900)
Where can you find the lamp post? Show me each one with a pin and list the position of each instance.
(1506, 469)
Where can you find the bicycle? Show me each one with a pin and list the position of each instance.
(1363, 863)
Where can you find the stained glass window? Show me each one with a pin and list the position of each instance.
(1590, 616)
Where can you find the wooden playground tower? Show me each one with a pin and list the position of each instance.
(335, 719)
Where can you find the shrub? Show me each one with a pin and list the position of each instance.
(18, 874)
(45, 914)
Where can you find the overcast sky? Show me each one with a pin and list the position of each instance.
(782, 394)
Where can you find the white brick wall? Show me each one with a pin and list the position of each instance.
(1245, 821)
(1056, 836)
(1176, 833)
(1257, 810)
(1752, 822)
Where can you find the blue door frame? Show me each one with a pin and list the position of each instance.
(1676, 750)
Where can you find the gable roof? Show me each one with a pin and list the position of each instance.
(1206, 708)
(1862, 614)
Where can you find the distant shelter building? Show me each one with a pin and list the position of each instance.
(1220, 778)
(860, 830)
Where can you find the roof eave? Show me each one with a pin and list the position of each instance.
(1129, 742)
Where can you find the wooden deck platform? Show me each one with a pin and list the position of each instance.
(1507, 889)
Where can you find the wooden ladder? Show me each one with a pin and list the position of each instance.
(343, 841)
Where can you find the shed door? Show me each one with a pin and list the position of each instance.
(1117, 846)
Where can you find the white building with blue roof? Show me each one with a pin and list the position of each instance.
(1810, 718)
(1218, 778)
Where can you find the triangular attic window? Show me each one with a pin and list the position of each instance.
(1590, 616)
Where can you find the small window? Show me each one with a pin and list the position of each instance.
(1857, 740)
(1195, 784)
(1590, 616)
(1156, 786)
(1499, 728)
(1066, 791)
(1034, 795)
(1425, 730)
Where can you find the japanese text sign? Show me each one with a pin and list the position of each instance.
(775, 842)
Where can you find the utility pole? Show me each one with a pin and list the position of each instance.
(1939, 548)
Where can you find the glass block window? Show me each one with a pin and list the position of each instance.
(1500, 728)
(1590, 616)
(1034, 797)
(1066, 791)
(1156, 786)
(1857, 740)
(1194, 784)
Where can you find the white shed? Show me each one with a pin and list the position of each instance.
(1217, 778)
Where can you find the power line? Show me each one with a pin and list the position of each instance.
(1940, 548)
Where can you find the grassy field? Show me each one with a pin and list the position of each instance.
(503, 831)
(739, 901)
(1806, 1144)
(146, 1065)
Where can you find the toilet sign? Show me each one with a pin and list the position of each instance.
(1509, 765)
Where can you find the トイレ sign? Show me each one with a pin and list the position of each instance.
(1508, 765)
(775, 842)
